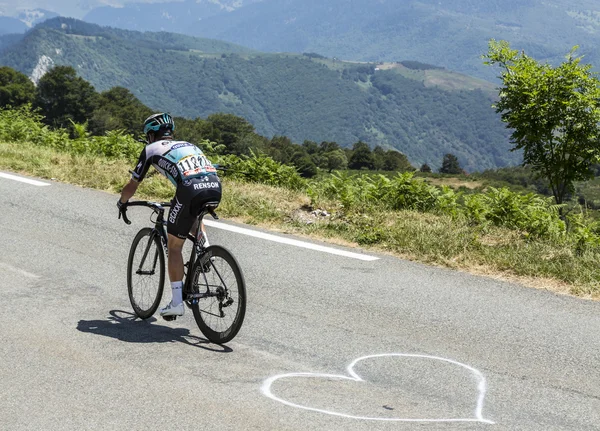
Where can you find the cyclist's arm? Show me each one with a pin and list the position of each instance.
(141, 169)
(137, 175)
(129, 190)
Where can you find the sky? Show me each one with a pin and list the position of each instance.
(78, 8)
(70, 8)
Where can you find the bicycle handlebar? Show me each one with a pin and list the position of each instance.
(156, 206)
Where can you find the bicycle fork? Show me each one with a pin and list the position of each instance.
(140, 271)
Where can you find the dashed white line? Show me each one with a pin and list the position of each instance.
(289, 241)
(23, 180)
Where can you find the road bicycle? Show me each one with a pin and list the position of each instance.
(213, 287)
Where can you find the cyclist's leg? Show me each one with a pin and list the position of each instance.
(179, 223)
(175, 261)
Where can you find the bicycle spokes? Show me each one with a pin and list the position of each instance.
(221, 294)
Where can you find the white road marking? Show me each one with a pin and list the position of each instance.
(481, 389)
(289, 241)
(18, 270)
(23, 180)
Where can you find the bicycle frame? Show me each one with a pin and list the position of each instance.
(160, 229)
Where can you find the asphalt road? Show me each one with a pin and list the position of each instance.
(329, 342)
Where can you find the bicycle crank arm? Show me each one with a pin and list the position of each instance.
(140, 272)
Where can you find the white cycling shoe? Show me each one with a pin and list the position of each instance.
(171, 310)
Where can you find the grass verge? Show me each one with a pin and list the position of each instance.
(438, 240)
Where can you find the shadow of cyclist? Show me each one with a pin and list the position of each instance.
(125, 326)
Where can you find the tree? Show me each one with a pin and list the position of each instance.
(362, 157)
(63, 96)
(378, 158)
(335, 159)
(281, 149)
(303, 163)
(327, 147)
(118, 108)
(425, 168)
(15, 88)
(311, 147)
(450, 165)
(231, 131)
(554, 112)
(195, 130)
(396, 161)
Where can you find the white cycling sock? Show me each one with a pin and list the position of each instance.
(176, 289)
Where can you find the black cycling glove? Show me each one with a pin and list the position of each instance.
(122, 207)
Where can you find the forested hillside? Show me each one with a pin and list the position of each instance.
(409, 106)
(449, 33)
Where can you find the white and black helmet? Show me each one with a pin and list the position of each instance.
(161, 121)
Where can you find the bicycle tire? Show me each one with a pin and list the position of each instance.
(214, 269)
(145, 295)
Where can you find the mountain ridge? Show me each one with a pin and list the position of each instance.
(418, 109)
(448, 33)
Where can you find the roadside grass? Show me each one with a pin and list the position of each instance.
(424, 237)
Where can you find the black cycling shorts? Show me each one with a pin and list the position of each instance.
(191, 195)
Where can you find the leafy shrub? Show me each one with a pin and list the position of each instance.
(401, 192)
(25, 125)
(528, 212)
(533, 214)
(261, 169)
(476, 208)
(585, 233)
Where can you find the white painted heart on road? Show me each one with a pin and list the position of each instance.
(354, 377)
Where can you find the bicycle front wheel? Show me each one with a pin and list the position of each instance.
(219, 295)
(146, 273)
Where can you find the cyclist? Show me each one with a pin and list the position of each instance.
(195, 178)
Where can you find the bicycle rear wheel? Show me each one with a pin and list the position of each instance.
(219, 295)
(145, 273)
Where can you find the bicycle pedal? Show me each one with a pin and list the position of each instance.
(169, 318)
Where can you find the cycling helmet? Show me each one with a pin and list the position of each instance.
(160, 121)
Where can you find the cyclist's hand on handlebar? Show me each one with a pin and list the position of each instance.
(123, 210)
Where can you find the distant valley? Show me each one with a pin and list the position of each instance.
(421, 110)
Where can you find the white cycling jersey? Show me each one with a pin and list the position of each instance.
(177, 160)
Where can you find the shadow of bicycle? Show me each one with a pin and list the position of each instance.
(126, 326)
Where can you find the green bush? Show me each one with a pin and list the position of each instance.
(401, 192)
(585, 233)
(534, 214)
(261, 169)
(25, 125)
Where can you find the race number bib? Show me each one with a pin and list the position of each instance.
(194, 164)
